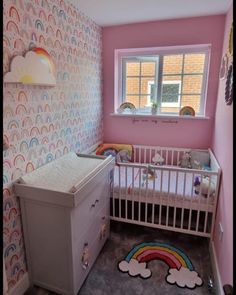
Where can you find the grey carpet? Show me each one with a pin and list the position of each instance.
(106, 279)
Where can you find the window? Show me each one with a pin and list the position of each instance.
(171, 76)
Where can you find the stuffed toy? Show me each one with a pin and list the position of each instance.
(123, 156)
(148, 174)
(204, 186)
(185, 161)
(157, 159)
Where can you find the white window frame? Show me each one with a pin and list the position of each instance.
(172, 104)
(158, 52)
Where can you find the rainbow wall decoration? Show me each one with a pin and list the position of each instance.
(181, 271)
(36, 67)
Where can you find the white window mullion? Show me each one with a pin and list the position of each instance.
(159, 79)
(182, 80)
(139, 87)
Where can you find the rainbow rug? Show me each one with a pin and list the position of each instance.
(181, 271)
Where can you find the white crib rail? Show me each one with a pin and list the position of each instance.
(162, 209)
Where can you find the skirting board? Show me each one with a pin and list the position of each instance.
(21, 286)
(217, 280)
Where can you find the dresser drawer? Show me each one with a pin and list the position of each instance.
(88, 246)
(84, 215)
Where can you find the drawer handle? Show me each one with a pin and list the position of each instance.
(92, 206)
(97, 201)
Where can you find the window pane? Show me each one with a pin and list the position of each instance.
(148, 68)
(170, 110)
(192, 101)
(140, 102)
(194, 63)
(192, 84)
(170, 92)
(144, 101)
(172, 64)
(132, 85)
(132, 69)
(133, 99)
(146, 85)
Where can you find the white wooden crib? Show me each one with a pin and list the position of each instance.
(167, 200)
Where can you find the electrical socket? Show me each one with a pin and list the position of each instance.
(220, 231)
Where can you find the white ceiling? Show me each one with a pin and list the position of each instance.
(116, 12)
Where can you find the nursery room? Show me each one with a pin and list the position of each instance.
(117, 147)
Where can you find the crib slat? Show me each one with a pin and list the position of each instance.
(119, 193)
(172, 157)
(145, 155)
(199, 201)
(126, 196)
(150, 156)
(166, 157)
(207, 204)
(146, 194)
(132, 193)
(153, 194)
(139, 195)
(191, 204)
(182, 210)
(160, 207)
(177, 158)
(139, 160)
(176, 192)
(168, 194)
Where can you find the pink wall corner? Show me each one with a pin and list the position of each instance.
(198, 30)
(222, 145)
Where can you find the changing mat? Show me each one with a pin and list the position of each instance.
(63, 174)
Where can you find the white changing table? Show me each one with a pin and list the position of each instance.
(65, 213)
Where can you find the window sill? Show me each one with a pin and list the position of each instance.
(160, 116)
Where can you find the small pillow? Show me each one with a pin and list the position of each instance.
(199, 159)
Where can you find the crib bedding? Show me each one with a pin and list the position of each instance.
(172, 189)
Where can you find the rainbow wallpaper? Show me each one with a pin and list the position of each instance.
(40, 123)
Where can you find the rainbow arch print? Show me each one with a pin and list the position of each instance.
(181, 271)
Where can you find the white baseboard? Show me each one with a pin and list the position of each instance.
(214, 263)
(21, 286)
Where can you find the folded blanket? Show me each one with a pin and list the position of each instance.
(122, 152)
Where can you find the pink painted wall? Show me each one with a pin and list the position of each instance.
(186, 133)
(222, 144)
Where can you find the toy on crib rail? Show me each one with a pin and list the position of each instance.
(123, 156)
(185, 161)
(158, 160)
(204, 186)
(148, 174)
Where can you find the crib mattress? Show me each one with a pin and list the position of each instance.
(165, 188)
(63, 174)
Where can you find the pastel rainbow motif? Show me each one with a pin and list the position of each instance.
(181, 271)
(45, 57)
(172, 256)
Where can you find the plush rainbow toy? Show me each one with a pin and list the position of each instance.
(181, 271)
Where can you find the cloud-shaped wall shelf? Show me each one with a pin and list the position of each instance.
(35, 68)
